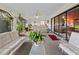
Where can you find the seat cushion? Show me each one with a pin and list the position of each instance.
(11, 46)
(71, 47)
(14, 35)
(74, 39)
(4, 39)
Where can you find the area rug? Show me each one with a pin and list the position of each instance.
(53, 37)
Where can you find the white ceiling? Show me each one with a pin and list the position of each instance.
(30, 9)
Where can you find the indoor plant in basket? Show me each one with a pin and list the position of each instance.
(36, 37)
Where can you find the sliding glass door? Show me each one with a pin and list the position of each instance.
(62, 25)
(73, 20)
(67, 22)
(56, 24)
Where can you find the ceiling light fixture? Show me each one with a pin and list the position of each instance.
(38, 14)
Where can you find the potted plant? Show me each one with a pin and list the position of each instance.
(29, 26)
(36, 37)
(19, 27)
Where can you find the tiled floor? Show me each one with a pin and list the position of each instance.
(24, 49)
(50, 47)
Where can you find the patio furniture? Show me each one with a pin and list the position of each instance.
(10, 42)
(71, 47)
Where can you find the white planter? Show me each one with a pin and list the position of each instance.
(36, 44)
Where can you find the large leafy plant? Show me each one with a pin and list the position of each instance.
(36, 37)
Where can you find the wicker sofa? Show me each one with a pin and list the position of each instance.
(10, 42)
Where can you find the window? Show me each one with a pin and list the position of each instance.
(56, 25)
(5, 21)
(62, 25)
